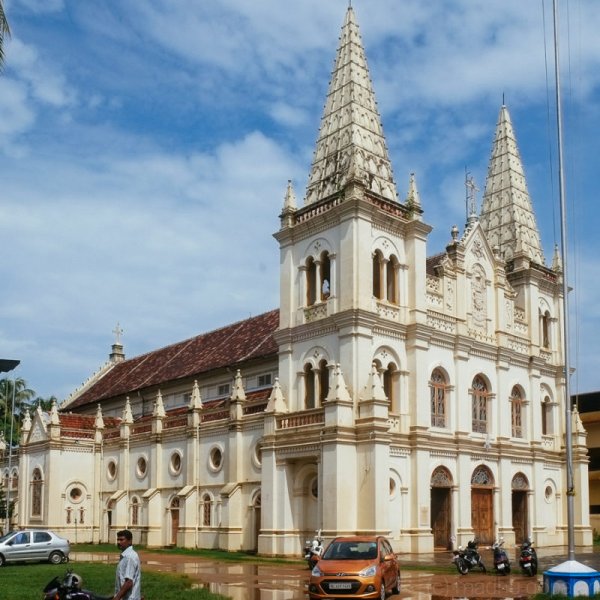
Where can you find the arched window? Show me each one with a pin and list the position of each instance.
(36, 493)
(81, 515)
(480, 396)
(438, 387)
(135, 511)
(545, 329)
(323, 381)
(309, 386)
(392, 280)
(377, 274)
(389, 387)
(516, 411)
(69, 515)
(206, 510)
(325, 279)
(547, 426)
(14, 483)
(311, 280)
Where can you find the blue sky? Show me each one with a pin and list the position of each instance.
(145, 149)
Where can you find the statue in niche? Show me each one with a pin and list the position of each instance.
(478, 297)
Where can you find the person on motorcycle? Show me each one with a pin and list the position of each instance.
(129, 575)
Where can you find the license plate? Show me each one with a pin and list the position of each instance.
(340, 585)
(501, 566)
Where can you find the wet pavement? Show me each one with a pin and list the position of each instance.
(268, 581)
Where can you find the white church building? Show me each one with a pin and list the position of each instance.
(392, 392)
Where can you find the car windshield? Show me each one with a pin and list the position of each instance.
(7, 536)
(351, 550)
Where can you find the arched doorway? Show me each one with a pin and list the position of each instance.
(520, 489)
(256, 509)
(441, 507)
(482, 505)
(174, 509)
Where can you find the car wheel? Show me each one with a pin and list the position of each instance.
(2, 560)
(382, 591)
(55, 558)
(396, 588)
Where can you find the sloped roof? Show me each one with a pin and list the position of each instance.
(229, 345)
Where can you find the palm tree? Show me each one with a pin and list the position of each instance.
(4, 32)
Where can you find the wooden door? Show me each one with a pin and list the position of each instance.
(174, 525)
(519, 515)
(482, 514)
(440, 516)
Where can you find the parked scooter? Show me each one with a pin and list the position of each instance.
(528, 559)
(70, 588)
(313, 549)
(467, 559)
(501, 562)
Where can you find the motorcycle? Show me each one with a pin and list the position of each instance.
(313, 549)
(501, 562)
(468, 559)
(70, 588)
(528, 559)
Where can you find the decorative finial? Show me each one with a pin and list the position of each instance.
(471, 197)
(118, 331)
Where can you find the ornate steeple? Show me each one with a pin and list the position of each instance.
(506, 213)
(351, 142)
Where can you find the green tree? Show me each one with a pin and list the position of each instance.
(4, 33)
(22, 399)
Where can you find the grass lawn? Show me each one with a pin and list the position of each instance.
(26, 581)
(220, 555)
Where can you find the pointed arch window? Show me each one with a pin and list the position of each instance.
(547, 425)
(392, 280)
(323, 381)
(309, 386)
(516, 410)
(206, 510)
(545, 329)
(390, 376)
(135, 511)
(36, 493)
(311, 280)
(480, 396)
(438, 386)
(378, 275)
(325, 276)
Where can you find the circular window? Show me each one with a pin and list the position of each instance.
(257, 454)
(216, 458)
(76, 494)
(142, 467)
(112, 469)
(175, 463)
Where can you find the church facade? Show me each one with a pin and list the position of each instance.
(393, 392)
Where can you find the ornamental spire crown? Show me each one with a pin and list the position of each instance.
(351, 144)
(507, 214)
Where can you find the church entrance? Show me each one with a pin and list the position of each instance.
(441, 507)
(256, 509)
(174, 509)
(482, 505)
(520, 489)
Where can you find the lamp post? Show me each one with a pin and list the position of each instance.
(7, 365)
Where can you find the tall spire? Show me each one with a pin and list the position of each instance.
(351, 141)
(507, 214)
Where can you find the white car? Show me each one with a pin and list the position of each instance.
(33, 545)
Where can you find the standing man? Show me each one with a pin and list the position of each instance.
(129, 575)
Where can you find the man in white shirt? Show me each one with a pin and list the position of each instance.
(129, 575)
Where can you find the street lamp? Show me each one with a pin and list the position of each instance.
(7, 365)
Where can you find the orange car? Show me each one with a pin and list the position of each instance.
(356, 567)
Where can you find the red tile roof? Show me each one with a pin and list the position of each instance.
(228, 346)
